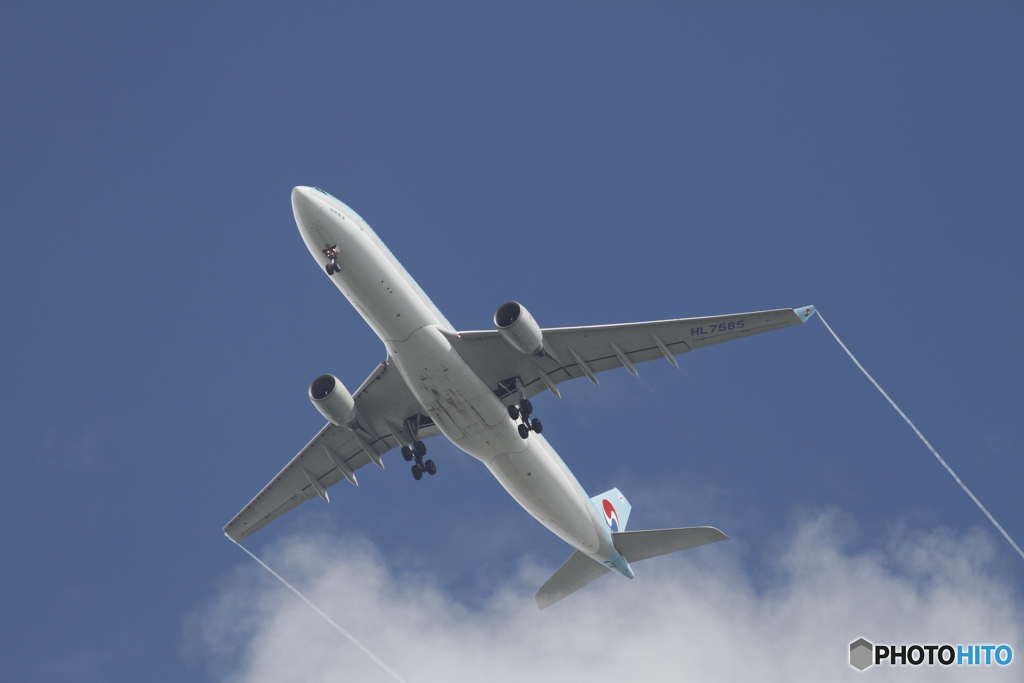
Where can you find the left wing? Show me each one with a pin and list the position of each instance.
(572, 352)
(384, 406)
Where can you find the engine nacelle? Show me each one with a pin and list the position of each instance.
(519, 328)
(333, 400)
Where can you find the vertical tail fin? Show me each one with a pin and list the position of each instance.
(614, 507)
(630, 546)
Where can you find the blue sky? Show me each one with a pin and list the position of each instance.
(600, 164)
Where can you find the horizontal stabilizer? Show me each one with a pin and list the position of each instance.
(643, 545)
(577, 572)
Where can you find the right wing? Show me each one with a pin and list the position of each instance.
(384, 404)
(586, 351)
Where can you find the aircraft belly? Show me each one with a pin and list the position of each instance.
(463, 407)
(472, 417)
(368, 279)
(537, 480)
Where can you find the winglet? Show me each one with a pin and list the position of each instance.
(805, 312)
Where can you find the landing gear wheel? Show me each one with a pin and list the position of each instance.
(419, 449)
(513, 412)
(331, 252)
(536, 426)
(417, 473)
(525, 407)
(406, 453)
(430, 467)
(524, 431)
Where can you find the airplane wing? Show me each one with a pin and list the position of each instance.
(385, 406)
(388, 415)
(573, 352)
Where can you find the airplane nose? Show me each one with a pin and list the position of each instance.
(301, 199)
(303, 205)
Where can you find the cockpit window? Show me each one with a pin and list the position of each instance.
(325, 193)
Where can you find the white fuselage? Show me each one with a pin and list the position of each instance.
(465, 410)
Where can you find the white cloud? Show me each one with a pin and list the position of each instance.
(698, 615)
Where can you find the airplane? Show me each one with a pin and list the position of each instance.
(475, 389)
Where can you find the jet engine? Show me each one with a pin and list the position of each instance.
(333, 400)
(519, 328)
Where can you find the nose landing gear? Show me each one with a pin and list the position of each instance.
(416, 451)
(524, 410)
(331, 252)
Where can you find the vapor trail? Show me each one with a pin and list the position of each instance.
(924, 440)
(321, 613)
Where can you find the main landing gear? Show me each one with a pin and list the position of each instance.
(331, 252)
(524, 410)
(417, 450)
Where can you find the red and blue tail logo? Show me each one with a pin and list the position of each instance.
(616, 514)
(610, 515)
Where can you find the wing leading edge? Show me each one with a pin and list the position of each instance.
(384, 404)
(586, 351)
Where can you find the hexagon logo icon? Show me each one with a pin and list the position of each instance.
(861, 652)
